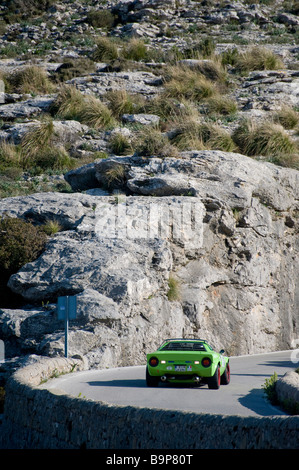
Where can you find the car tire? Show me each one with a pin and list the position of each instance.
(150, 380)
(225, 377)
(214, 381)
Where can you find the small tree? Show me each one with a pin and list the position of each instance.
(20, 243)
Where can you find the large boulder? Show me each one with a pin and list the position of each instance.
(228, 244)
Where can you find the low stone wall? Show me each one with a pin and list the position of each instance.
(287, 388)
(39, 419)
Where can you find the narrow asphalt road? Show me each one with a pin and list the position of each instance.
(244, 396)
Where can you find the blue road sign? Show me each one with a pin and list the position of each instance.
(67, 307)
(66, 310)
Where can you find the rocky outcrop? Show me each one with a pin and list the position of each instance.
(222, 225)
(287, 389)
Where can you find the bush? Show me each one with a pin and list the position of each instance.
(20, 242)
(31, 79)
(135, 50)
(270, 389)
(96, 114)
(258, 58)
(205, 48)
(51, 157)
(199, 136)
(50, 227)
(36, 139)
(100, 18)
(151, 142)
(10, 156)
(173, 293)
(287, 117)
(115, 176)
(184, 83)
(106, 50)
(119, 144)
(119, 102)
(223, 105)
(68, 102)
(74, 68)
(267, 139)
(17, 9)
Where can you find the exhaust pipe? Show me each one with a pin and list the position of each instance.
(163, 378)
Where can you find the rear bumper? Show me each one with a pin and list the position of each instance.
(186, 375)
(194, 379)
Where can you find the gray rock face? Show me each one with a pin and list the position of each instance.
(231, 244)
(133, 82)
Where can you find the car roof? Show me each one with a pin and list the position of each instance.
(184, 339)
(169, 340)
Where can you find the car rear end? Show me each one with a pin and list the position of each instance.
(181, 366)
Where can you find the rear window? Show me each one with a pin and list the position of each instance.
(183, 346)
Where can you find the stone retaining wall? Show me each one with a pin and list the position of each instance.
(40, 419)
(287, 388)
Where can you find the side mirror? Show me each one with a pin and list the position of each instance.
(222, 351)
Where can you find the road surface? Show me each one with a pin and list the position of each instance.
(244, 396)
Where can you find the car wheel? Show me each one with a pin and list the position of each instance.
(214, 381)
(151, 381)
(225, 378)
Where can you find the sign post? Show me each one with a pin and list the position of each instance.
(66, 310)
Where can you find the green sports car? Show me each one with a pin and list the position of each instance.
(190, 361)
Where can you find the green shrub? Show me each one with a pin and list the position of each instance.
(115, 176)
(96, 114)
(51, 158)
(230, 57)
(258, 58)
(22, 9)
(31, 79)
(194, 135)
(151, 142)
(184, 83)
(287, 117)
(74, 68)
(119, 144)
(204, 48)
(106, 50)
(36, 139)
(219, 104)
(135, 50)
(20, 242)
(100, 18)
(266, 139)
(270, 389)
(119, 102)
(50, 227)
(174, 291)
(10, 156)
(68, 103)
(212, 69)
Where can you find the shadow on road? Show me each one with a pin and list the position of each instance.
(135, 383)
(256, 401)
(279, 364)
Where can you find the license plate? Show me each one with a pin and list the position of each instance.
(180, 368)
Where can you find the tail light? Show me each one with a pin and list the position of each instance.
(206, 362)
(153, 362)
